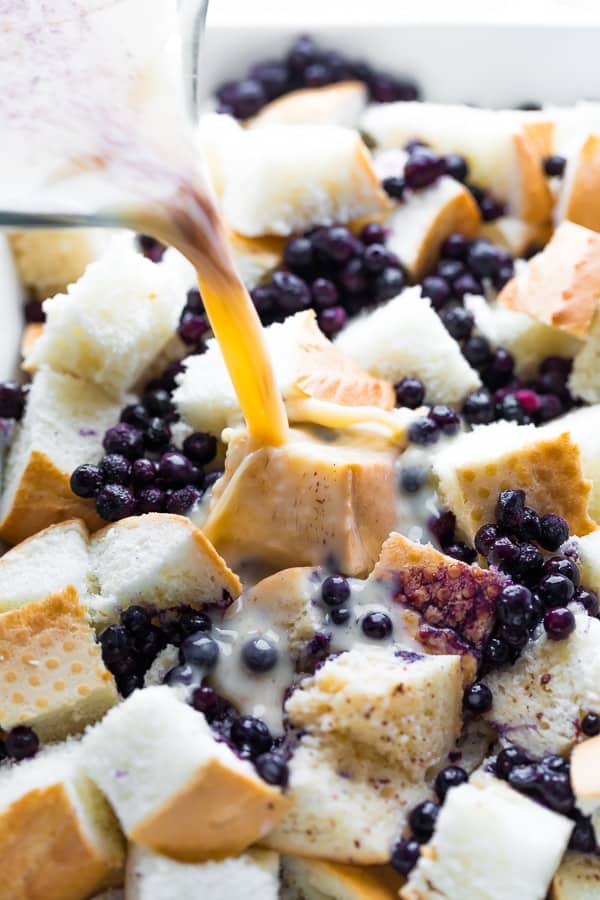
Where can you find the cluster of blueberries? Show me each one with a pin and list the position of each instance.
(335, 595)
(21, 742)
(307, 65)
(142, 471)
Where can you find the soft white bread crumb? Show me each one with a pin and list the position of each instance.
(165, 660)
(48, 261)
(347, 807)
(474, 468)
(174, 788)
(539, 701)
(577, 878)
(64, 423)
(52, 669)
(252, 876)
(584, 381)
(583, 426)
(306, 365)
(406, 337)
(422, 222)
(588, 552)
(44, 564)
(318, 879)
(266, 187)
(334, 104)
(503, 148)
(407, 713)
(58, 837)
(157, 560)
(490, 843)
(529, 340)
(112, 323)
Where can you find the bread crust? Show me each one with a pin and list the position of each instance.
(311, 106)
(355, 882)
(536, 205)
(582, 205)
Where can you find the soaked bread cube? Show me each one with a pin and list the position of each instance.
(314, 879)
(577, 878)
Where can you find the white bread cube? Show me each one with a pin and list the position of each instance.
(542, 713)
(348, 807)
(266, 189)
(474, 468)
(158, 560)
(515, 235)
(529, 340)
(490, 843)
(583, 426)
(316, 879)
(580, 183)
(51, 670)
(561, 285)
(48, 261)
(334, 104)
(64, 423)
(342, 499)
(422, 222)
(113, 322)
(584, 381)
(174, 788)
(504, 149)
(406, 337)
(406, 712)
(588, 553)
(577, 878)
(306, 365)
(59, 839)
(585, 776)
(45, 564)
(252, 876)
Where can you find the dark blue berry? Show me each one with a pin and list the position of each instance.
(500, 369)
(115, 469)
(174, 469)
(405, 855)
(412, 479)
(410, 392)
(135, 414)
(394, 186)
(182, 674)
(21, 742)
(478, 698)
(491, 209)
(509, 510)
(335, 590)
(292, 292)
(150, 247)
(459, 322)
(298, 254)
(503, 553)
(485, 538)
(353, 277)
(560, 565)
(443, 526)
(456, 166)
(158, 402)
(583, 837)
(251, 734)
(136, 620)
(423, 432)
(124, 439)
(508, 758)
(377, 625)
(272, 769)
(339, 615)
(466, 284)
(484, 259)
(590, 724)
(115, 501)
(150, 499)
(181, 501)
(248, 99)
(200, 447)
(206, 700)
(529, 564)
(422, 168)
(554, 531)
(437, 290)
(273, 76)
(144, 471)
(556, 590)
(200, 650)
(372, 233)
(331, 321)
(194, 621)
(450, 269)
(157, 435)
(375, 257)
(496, 652)
(559, 623)
(389, 283)
(554, 166)
(530, 525)
(324, 293)
(514, 606)
(86, 480)
(451, 776)
(422, 820)
(192, 328)
(455, 247)
(461, 551)
(115, 644)
(259, 655)
(479, 408)
(588, 599)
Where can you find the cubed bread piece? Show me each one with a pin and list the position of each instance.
(529, 340)
(588, 553)
(504, 149)
(473, 469)
(452, 604)
(48, 261)
(406, 711)
(174, 788)
(561, 285)
(59, 839)
(515, 235)
(318, 879)
(266, 189)
(287, 598)
(157, 560)
(329, 499)
(306, 364)
(585, 775)
(580, 184)
(577, 878)
(31, 334)
(540, 700)
(51, 672)
(422, 222)
(64, 423)
(334, 104)
(584, 381)
(348, 807)
(406, 337)
(252, 876)
(490, 843)
(45, 564)
(583, 426)
(113, 322)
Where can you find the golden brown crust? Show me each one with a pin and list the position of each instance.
(44, 498)
(585, 770)
(582, 204)
(561, 285)
(51, 673)
(536, 206)
(380, 202)
(460, 214)
(31, 334)
(220, 812)
(45, 853)
(356, 882)
(312, 105)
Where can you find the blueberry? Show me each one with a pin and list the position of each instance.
(509, 510)
(496, 652)
(150, 499)
(21, 742)
(478, 698)
(273, 76)
(12, 401)
(335, 590)
(514, 606)
(200, 447)
(503, 553)
(339, 615)
(461, 551)
(389, 283)
(550, 408)
(115, 469)
(476, 351)
(485, 538)
(410, 392)
(559, 623)
(115, 501)
(590, 724)
(86, 480)
(445, 418)
(508, 758)
(478, 408)
(529, 564)
(523, 777)
(124, 439)
(303, 52)
(459, 322)
(298, 254)
(331, 321)
(456, 166)
(583, 837)
(143, 472)
(127, 684)
(405, 855)
(372, 233)
(250, 733)
(509, 409)
(589, 599)
(181, 501)
(180, 675)
(556, 590)
(422, 168)
(135, 414)
(500, 369)
(114, 643)
(248, 99)
(437, 290)
(174, 469)
(491, 209)
(505, 273)
(135, 619)
(484, 259)
(193, 621)
(158, 402)
(150, 247)
(466, 284)
(554, 789)
(394, 186)
(455, 247)
(259, 655)
(554, 166)
(530, 525)
(150, 644)
(377, 625)
(422, 820)
(207, 701)
(443, 526)
(412, 479)
(192, 327)
(423, 432)
(554, 531)
(324, 293)
(375, 257)
(200, 650)
(292, 292)
(272, 769)
(34, 312)
(560, 565)
(157, 435)
(451, 776)
(450, 269)
(353, 277)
